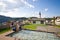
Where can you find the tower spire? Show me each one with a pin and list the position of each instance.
(40, 14)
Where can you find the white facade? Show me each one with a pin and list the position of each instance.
(57, 21)
(38, 22)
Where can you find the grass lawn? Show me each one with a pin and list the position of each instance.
(33, 26)
(4, 30)
(57, 26)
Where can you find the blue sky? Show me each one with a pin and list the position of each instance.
(30, 8)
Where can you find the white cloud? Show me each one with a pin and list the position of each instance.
(2, 4)
(33, 0)
(27, 4)
(12, 1)
(13, 13)
(16, 9)
(10, 14)
(46, 9)
(31, 6)
(9, 8)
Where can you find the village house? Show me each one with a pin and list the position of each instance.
(36, 20)
(57, 21)
(52, 22)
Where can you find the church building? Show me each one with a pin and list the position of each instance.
(35, 20)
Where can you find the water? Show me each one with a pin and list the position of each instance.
(33, 35)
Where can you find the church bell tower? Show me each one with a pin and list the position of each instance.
(39, 14)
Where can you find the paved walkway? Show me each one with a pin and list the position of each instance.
(46, 29)
(50, 29)
(4, 37)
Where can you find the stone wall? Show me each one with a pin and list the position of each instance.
(3, 26)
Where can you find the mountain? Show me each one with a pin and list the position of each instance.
(20, 19)
(5, 18)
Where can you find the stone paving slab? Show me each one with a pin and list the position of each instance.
(48, 29)
(4, 37)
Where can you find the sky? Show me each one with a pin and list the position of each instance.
(30, 8)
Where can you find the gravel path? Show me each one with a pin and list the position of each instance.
(48, 29)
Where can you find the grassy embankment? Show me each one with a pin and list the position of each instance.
(4, 30)
(33, 26)
(57, 26)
